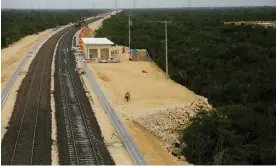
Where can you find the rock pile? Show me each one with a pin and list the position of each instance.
(166, 123)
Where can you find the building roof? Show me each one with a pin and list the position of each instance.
(96, 41)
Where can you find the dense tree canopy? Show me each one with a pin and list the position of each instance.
(19, 23)
(233, 66)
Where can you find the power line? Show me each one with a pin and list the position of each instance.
(166, 36)
(208, 35)
(134, 4)
(129, 24)
(201, 32)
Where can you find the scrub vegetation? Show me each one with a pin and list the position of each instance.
(19, 23)
(233, 66)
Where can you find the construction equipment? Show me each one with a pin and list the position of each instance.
(80, 23)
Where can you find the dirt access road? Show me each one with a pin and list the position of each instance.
(29, 131)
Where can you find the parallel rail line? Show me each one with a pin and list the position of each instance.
(82, 149)
(6, 91)
(17, 143)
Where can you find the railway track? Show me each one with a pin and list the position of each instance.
(28, 135)
(21, 142)
(83, 144)
(6, 91)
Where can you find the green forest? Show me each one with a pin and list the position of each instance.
(19, 23)
(234, 66)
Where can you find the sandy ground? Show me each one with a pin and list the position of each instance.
(96, 25)
(111, 138)
(86, 32)
(12, 55)
(148, 91)
(55, 156)
(150, 146)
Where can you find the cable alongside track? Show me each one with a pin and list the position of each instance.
(82, 142)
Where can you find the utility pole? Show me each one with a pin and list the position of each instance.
(134, 4)
(129, 24)
(115, 4)
(166, 36)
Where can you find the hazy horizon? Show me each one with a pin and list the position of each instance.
(126, 4)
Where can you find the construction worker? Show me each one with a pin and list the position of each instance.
(127, 96)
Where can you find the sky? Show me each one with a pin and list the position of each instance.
(80, 4)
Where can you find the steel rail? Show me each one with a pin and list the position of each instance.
(25, 108)
(130, 145)
(38, 105)
(96, 152)
(22, 119)
(65, 104)
(6, 91)
(82, 112)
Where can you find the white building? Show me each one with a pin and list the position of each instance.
(97, 48)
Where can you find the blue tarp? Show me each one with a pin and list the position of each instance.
(148, 56)
(133, 51)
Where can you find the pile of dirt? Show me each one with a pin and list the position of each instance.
(167, 123)
(86, 32)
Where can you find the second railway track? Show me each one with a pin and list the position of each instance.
(83, 142)
(28, 137)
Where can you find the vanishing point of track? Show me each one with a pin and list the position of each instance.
(28, 137)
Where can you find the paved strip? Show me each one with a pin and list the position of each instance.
(131, 147)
